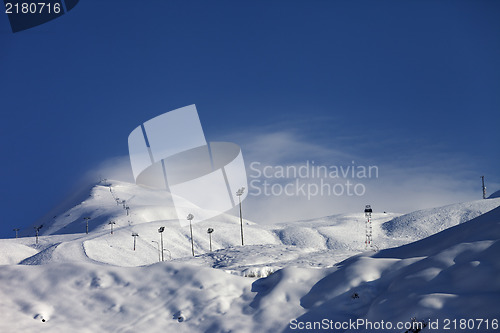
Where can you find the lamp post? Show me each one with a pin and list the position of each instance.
(209, 231)
(239, 193)
(161, 230)
(135, 235)
(87, 224)
(16, 230)
(158, 244)
(190, 217)
(111, 223)
(484, 188)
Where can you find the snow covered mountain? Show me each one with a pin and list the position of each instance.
(433, 265)
(63, 237)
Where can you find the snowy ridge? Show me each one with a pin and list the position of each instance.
(103, 203)
(423, 223)
(319, 242)
(337, 237)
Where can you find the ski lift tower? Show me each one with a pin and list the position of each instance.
(484, 188)
(368, 226)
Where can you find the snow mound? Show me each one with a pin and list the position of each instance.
(12, 252)
(423, 223)
(302, 236)
(94, 298)
(452, 274)
(342, 232)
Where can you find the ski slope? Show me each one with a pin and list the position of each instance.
(431, 265)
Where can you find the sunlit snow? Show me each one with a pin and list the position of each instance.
(430, 265)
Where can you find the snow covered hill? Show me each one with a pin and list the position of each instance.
(320, 242)
(106, 202)
(432, 265)
(452, 275)
(423, 223)
(63, 237)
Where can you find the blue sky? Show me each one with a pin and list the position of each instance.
(411, 86)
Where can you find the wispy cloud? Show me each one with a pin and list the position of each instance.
(422, 180)
(116, 168)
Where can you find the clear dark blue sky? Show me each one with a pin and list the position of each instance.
(410, 83)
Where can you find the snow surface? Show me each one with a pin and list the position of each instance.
(432, 264)
(12, 252)
(423, 223)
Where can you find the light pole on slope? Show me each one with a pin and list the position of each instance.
(190, 217)
(161, 230)
(135, 235)
(111, 223)
(209, 231)
(239, 193)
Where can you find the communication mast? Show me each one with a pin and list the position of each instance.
(368, 226)
(484, 188)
